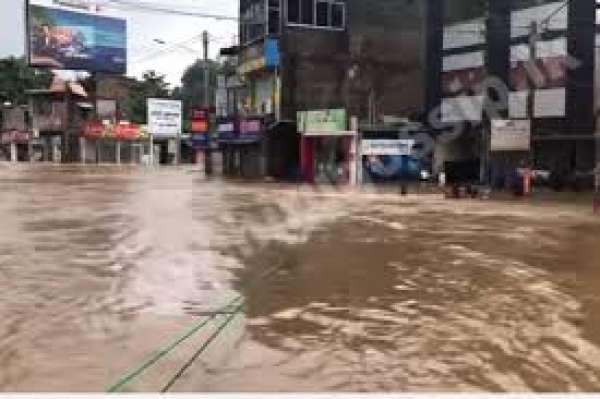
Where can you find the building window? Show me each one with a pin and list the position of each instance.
(293, 11)
(274, 14)
(317, 13)
(338, 15)
(323, 8)
(308, 12)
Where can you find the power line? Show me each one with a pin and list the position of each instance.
(157, 8)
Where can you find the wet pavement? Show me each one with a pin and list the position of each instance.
(344, 291)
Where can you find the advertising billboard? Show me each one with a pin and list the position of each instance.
(62, 39)
(164, 117)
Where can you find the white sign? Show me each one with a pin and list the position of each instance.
(387, 147)
(511, 135)
(164, 117)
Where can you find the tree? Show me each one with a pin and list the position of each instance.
(16, 77)
(152, 85)
(191, 92)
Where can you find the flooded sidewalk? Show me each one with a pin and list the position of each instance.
(101, 266)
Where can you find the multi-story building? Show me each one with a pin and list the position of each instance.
(363, 57)
(516, 60)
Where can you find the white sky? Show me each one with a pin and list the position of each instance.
(142, 29)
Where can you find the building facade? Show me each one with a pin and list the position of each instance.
(366, 58)
(516, 60)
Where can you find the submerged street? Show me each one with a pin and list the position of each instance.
(344, 291)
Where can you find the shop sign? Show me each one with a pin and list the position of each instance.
(127, 131)
(164, 117)
(200, 141)
(15, 136)
(94, 130)
(330, 122)
(200, 119)
(387, 147)
(252, 65)
(511, 135)
(251, 127)
(272, 56)
(226, 130)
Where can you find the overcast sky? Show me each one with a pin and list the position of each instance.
(143, 28)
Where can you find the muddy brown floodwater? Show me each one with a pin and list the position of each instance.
(99, 267)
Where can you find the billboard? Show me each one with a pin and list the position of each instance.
(62, 39)
(164, 117)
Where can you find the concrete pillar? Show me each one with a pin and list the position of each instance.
(82, 145)
(13, 152)
(118, 153)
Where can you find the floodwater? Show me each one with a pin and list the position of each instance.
(102, 266)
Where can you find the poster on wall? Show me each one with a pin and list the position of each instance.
(63, 39)
(511, 135)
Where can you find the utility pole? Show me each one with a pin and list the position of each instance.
(208, 167)
(533, 40)
(534, 36)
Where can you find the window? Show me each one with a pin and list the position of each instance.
(337, 15)
(274, 14)
(293, 11)
(308, 12)
(317, 13)
(323, 8)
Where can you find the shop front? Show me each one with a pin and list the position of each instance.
(389, 157)
(327, 147)
(242, 143)
(113, 143)
(15, 146)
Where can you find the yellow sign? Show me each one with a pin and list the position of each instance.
(252, 65)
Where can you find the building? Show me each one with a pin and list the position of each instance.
(58, 115)
(514, 60)
(15, 133)
(363, 58)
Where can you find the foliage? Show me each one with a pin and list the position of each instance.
(16, 77)
(152, 85)
(191, 92)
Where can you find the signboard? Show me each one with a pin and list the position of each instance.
(127, 131)
(387, 147)
(164, 117)
(226, 130)
(62, 39)
(94, 130)
(200, 121)
(15, 136)
(323, 122)
(511, 135)
(251, 127)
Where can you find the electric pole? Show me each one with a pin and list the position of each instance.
(208, 169)
(533, 39)
(534, 36)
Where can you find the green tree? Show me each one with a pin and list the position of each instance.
(152, 85)
(191, 92)
(16, 77)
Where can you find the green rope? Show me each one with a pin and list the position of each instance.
(123, 381)
(204, 346)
